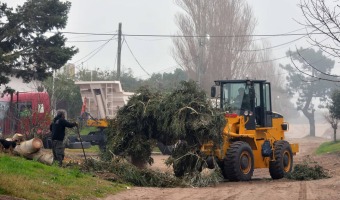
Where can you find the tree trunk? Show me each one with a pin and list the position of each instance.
(28, 147)
(311, 120)
(311, 126)
(31, 149)
(334, 129)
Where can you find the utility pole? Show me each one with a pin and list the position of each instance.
(200, 60)
(119, 49)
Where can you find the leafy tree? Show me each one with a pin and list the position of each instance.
(28, 49)
(334, 107)
(166, 81)
(163, 82)
(333, 117)
(207, 58)
(333, 122)
(129, 83)
(65, 94)
(305, 81)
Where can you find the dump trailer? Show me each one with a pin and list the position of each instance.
(253, 136)
(101, 101)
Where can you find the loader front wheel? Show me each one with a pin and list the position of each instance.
(239, 162)
(283, 160)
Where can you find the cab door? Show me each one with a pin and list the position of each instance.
(267, 105)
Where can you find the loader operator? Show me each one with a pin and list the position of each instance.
(57, 128)
(242, 99)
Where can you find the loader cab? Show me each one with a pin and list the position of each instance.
(251, 98)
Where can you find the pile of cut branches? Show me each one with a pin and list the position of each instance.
(125, 172)
(308, 170)
(183, 116)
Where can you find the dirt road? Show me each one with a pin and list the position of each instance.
(261, 186)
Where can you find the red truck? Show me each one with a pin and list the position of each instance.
(25, 112)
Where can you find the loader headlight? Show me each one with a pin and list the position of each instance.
(248, 113)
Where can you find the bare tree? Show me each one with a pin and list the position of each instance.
(333, 122)
(323, 25)
(217, 37)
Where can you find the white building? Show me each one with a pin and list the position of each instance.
(18, 85)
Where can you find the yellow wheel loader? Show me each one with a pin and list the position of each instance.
(254, 135)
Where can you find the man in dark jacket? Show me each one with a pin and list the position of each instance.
(57, 128)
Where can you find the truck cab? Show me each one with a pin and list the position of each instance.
(25, 112)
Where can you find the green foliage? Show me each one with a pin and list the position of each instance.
(329, 147)
(39, 181)
(125, 172)
(131, 133)
(184, 114)
(129, 83)
(66, 94)
(201, 179)
(334, 107)
(162, 82)
(166, 81)
(128, 173)
(311, 62)
(305, 83)
(26, 50)
(308, 170)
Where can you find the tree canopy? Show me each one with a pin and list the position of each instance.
(28, 47)
(160, 81)
(334, 107)
(304, 80)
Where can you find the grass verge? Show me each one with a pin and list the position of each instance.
(328, 147)
(32, 180)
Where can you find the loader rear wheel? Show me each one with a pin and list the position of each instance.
(239, 162)
(283, 162)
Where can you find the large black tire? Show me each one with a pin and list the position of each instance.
(78, 145)
(283, 162)
(239, 162)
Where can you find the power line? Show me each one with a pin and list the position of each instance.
(280, 58)
(135, 57)
(245, 50)
(87, 40)
(163, 70)
(325, 79)
(271, 47)
(95, 51)
(311, 65)
(197, 36)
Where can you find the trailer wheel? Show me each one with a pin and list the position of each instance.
(77, 145)
(283, 162)
(239, 162)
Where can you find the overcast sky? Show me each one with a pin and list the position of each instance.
(157, 17)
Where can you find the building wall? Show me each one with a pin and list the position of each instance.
(18, 85)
